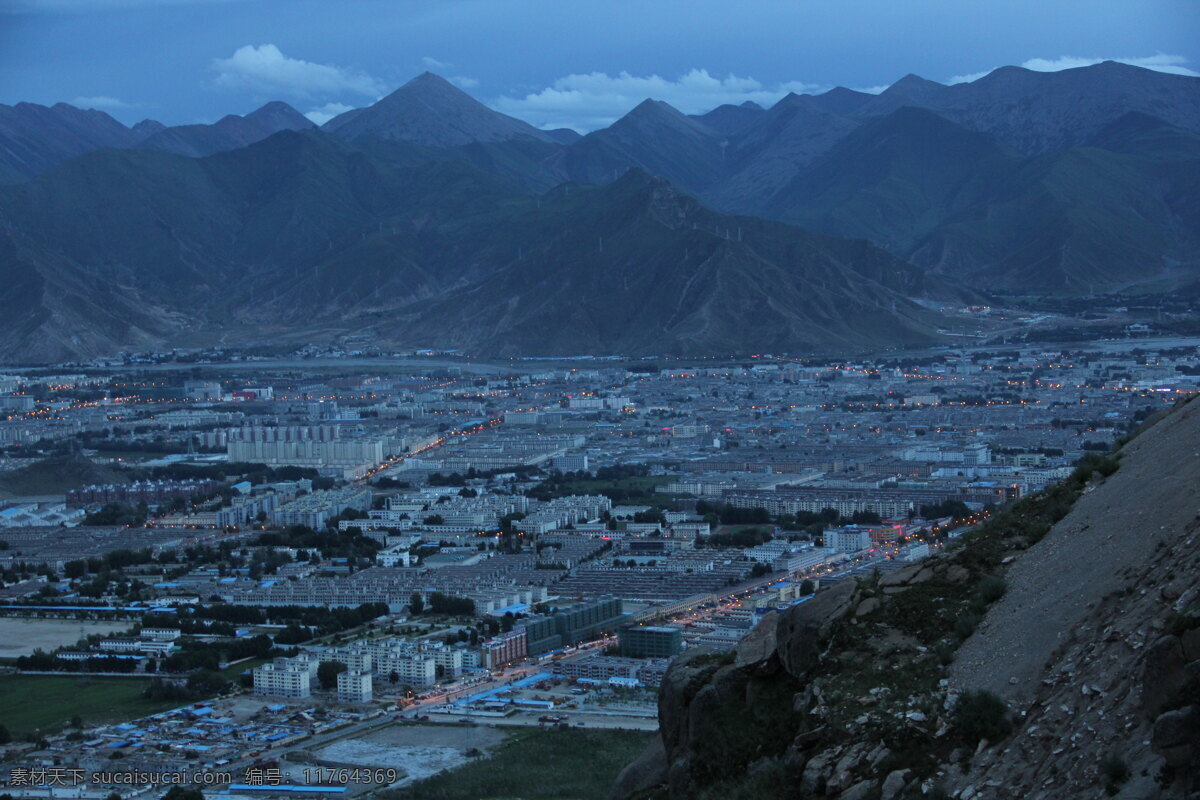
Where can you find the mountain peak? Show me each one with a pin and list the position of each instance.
(912, 82)
(658, 112)
(147, 127)
(658, 107)
(428, 78)
(430, 110)
(278, 115)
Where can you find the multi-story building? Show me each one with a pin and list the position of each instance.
(315, 509)
(354, 687)
(499, 651)
(849, 539)
(650, 641)
(572, 624)
(356, 659)
(283, 678)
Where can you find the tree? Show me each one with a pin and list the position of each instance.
(435, 519)
(327, 673)
(182, 793)
(5, 736)
(415, 604)
(76, 721)
(807, 587)
(393, 677)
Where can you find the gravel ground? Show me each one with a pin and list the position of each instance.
(1108, 576)
(1115, 526)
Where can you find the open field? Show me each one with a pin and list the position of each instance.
(47, 702)
(421, 751)
(20, 636)
(536, 764)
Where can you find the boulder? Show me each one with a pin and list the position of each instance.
(866, 607)
(894, 783)
(673, 696)
(647, 772)
(859, 791)
(801, 629)
(1176, 736)
(899, 577)
(957, 574)
(816, 772)
(1190, 641)
(1163, 674)
(758, 646)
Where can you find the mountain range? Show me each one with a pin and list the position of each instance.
(302, 232)
(821, 223)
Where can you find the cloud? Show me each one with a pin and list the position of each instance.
(874, 89)
(594, 100)
(319, 116)
(433, 63)
(102, 102)
(266, 69)
(36, 6)
(970, 77)
(463, 82)
(1159, 62)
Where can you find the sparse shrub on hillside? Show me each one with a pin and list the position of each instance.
(1115, 772)
(965, 625)
(981, 715)
(1092, 462)
(989, 590)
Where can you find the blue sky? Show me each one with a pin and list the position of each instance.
(577, 63)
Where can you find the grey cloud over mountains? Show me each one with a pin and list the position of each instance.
(265, 68)
(596, 99)
(1160, 62)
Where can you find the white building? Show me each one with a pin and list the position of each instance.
(847, 540)
(354, 687)
(282, 678)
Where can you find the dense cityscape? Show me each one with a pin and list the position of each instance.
(285, 555)
(667, 400)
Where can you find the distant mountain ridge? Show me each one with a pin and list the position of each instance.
(304, 234)
(413, 217)
(34, 138)
(228, 133)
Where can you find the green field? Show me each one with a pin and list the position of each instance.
(47, 702)
(537, 764)
(634, 490)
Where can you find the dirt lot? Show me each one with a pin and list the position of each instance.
(419, 750)
(20, 636)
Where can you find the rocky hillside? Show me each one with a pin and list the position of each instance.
(1052, 653)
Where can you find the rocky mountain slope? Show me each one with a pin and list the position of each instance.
(1109, 216)
(228, 133)
(35, 137)
(306, 234)
(639, 267)
(1054, 652)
